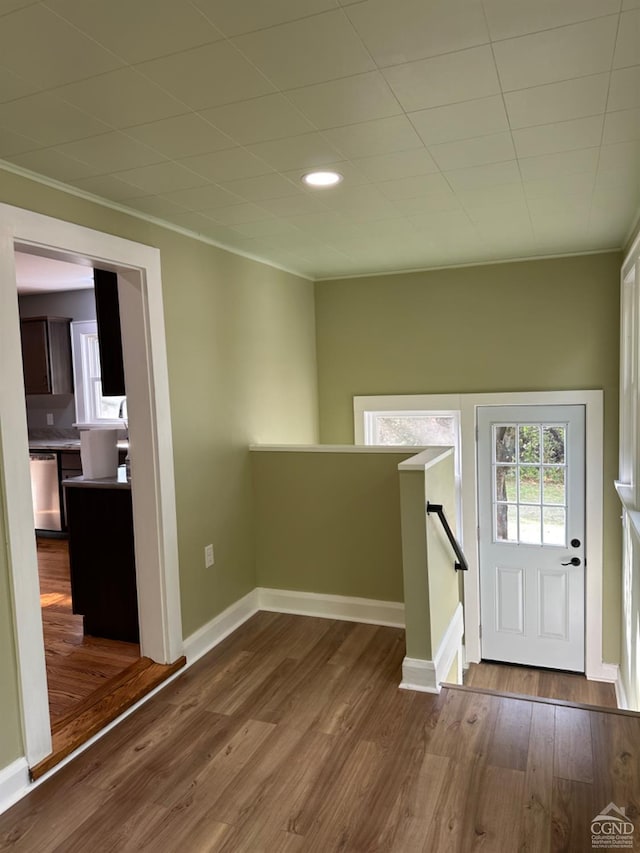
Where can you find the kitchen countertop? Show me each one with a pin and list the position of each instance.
(118, 482)
(45, 444)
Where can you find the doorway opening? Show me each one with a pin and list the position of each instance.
(140, 291)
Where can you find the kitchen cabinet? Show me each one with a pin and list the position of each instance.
(102, 558)
(105, 285)
(46, 355)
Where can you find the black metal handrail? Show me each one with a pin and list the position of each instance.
(461, 563)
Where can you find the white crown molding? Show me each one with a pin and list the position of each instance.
(139, 214)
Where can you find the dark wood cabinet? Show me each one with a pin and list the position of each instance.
(102, 560)
(46, 355)
(109, 336)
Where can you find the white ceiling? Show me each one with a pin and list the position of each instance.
(44, 275)
(466, 130)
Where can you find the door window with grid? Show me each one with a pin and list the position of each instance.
(529, 483)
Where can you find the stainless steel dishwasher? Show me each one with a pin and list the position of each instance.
(45, 491)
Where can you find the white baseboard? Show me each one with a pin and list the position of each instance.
(427, 675)
(225, 623)
(621, 694)
(371, 611)
(14, 783)
(609, 672)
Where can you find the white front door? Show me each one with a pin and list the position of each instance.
(531, 510)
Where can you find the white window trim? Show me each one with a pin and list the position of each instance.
(467, 404)
(80, 328)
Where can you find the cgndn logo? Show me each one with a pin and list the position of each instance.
(611, 829)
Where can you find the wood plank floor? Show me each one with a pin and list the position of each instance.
(540, 682)
(77, 665)
(292, 735)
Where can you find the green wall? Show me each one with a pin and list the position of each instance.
(242, 369)
(528, 326)
(329, 522)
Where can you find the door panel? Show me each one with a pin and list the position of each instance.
(531, 515)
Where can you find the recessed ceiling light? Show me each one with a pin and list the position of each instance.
(322, 179)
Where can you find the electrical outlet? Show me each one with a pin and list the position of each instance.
(49, 418)
(208, 556)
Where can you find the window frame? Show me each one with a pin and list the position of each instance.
(86, 416)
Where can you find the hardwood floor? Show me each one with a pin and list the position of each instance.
(77, 665)
(292, 735)
(541, 682)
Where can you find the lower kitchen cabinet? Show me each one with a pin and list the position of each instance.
(102, 559)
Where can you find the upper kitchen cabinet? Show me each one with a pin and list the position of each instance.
(109, 337)
(46, 355)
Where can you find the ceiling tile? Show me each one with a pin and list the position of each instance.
(195, 222)
(121, 98)
(621, 126)
(235, 18)
(508, 18)
(293, 205)
(584, 96)
(296, 152)
(382, 136)
(259, 119)
(48, 119)
(15, 143)
(402, 164)
(7, 6)
(38, 45)
(461, 121)
(493, 174)
(627, 51)
(111, 152)
(153, 27)
(557, 54)
(188, 76)
(559, 185)
(362, 97)
(412, 29)
(312, 50)
(154, 206)
(161, 178)
(181, 136)
(621, 155)
(460, 76)
(473, 152)
(227, 165)
(554, 165)
(239, 213)
(262, 187)
(414, 186)
(485, 196)
(12, 86)
(53, 164)
(560, 136)
(109, 187)
(631, 4)
(427, 203)
(265, 228)
(624, 89)
(206, 197)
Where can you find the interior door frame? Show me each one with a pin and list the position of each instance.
(467, 404)
(153, 493)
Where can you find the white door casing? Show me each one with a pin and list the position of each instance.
(144, 350)
(531, 510)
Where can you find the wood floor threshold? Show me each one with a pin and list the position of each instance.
(545, 700)
(103, 706)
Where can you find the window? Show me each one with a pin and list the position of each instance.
(92, 407)
(414, 422)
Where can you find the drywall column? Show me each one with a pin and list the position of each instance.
(433, 612)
